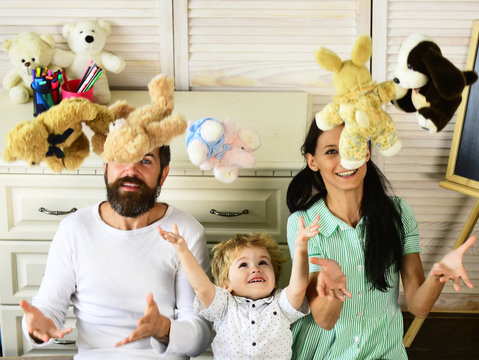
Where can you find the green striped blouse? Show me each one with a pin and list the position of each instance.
(370, 325)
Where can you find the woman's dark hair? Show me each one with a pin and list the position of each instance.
(383, 228)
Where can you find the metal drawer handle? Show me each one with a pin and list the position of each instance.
(228, 213)
(64, 341)
(56, 212)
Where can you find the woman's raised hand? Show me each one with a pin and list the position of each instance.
(450, 266)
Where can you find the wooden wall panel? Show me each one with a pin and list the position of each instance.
(141, 32)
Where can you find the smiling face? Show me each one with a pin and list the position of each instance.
(251, 274)
(327, 161)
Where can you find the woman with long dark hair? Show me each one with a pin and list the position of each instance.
(374, 238)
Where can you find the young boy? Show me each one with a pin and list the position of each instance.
(251, 319)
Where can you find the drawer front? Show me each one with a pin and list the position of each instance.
(21, 197)
(15, 344)
(22, 264)
(263, 198)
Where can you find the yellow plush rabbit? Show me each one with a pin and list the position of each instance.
(358, 104)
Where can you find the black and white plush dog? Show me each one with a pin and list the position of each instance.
(428, 83)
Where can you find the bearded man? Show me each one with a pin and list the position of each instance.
(130, 296)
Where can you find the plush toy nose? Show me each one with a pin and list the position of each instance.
(396, 80)
(89, 39)
(27, 64)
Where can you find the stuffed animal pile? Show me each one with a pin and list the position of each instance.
(358, 104)
(121, 132)
(428, 83)
(87, 40)
(223, 147)
(136, 131)
(56, 136)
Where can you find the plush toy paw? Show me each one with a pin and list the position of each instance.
(393, 150)
(321, 123)
(362, 118)
(352, 164)
(226, 174)
(426, 124)
(19, 94)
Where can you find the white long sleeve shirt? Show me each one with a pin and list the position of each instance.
(107, 273)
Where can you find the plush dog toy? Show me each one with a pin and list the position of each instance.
(86, 40)
(136, 131)
(429, 84)
(26, 52)
(56, 136)
(358, 104)
(211, 144)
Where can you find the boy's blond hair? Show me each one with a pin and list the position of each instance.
(226, 251)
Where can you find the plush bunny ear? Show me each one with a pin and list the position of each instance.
(328, 59)
(447, 78)
(362, 50)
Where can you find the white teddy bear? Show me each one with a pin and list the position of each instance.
(87, 39)
(27, 52)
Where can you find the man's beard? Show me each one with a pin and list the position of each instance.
(131, 203)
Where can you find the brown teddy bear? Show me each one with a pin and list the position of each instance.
(358, 105)
(136, 131)
(56, 136)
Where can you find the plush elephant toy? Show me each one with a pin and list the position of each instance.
(222, 147)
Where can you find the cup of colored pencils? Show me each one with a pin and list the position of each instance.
(82, 87)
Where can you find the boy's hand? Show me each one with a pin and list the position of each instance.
(306, 233)
(331, 281)
(451, 267)
(41, 328)
(173, 237)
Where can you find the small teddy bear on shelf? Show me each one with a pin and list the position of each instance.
(87, 40)
(358, 104)
(223, 147)
(428, 83)
(26, 52)
(56, 136)
(136, 131)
